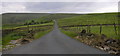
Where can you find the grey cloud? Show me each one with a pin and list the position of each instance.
(63, 6)
(36, 6)
(57, 6)
(66, 6)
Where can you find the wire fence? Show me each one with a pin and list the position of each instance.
(107, 29)
(28, 28)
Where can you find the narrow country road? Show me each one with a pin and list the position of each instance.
(55, 42)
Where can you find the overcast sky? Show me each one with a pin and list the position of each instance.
(60, 7)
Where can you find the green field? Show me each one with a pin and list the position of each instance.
(90, 19)
(11, 20)
(24, 25)
(21, 22)
(17, 34)
(21, 18)
(18, 18)
(18, 26)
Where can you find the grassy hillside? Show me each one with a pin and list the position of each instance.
(60, 16)
(87, 19)
(20, 17)
(90, 19)
(11, 20)
(24, 26)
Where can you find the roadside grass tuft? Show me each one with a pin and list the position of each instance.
(69, 33)
(40, 34)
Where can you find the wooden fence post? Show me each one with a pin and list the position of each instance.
(77, 29)
(28, 28)
(115, 29)
(100, 28)
(89, 29)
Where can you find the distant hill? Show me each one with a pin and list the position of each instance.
(86, 19)
(20, 17)
(60, 16)
(9, 18)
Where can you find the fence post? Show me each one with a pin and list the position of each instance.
(89, 29)
(100, 28)
(77, 29)
(28, 28)
(115, 29)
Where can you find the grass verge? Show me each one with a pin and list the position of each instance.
(41, 33)
(69, 33)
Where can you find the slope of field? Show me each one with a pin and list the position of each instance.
(24, 25)
(91, 19)
(10, 20)
(87, 19)
(60, 16)
(20, 17)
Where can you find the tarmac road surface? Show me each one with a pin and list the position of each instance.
(55, 42)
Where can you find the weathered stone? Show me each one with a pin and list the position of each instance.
(101, 48)
(103, 36)
(90, 35)
(101, 41)
(109, 41)
(17, 44)
(118, 42)
(112, 52)
(13, 42)
(106, 48)
(83, 31)
(19, 41)
(78, 37)
(25, 41)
